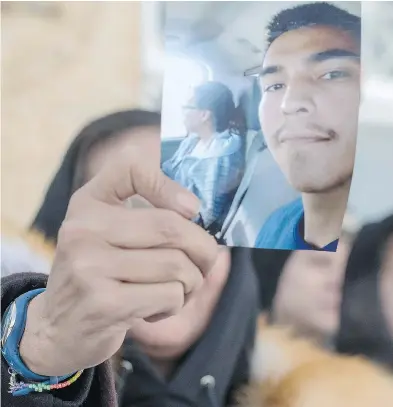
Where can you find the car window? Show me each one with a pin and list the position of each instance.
(181, 74)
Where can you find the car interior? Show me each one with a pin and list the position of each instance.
(221, 41)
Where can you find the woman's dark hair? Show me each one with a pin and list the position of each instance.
(71, 174)
(218, 99)
(363, 327)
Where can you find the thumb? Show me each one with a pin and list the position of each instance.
(134, 173)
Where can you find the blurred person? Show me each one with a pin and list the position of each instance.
(303, 289)
(310, 81)
(98, 142)
(292, 371)
(210, 161)
(191, 305)
(161, 361)
(367, 308)
(289, 370)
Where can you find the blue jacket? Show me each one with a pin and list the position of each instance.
(213, 177)
(282, 230)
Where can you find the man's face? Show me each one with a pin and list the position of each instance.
(309, 293)
(310, 103)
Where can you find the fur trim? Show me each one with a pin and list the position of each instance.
(40, 245)
(25, 252)
(288, 371)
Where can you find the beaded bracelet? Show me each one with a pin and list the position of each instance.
(24, 388)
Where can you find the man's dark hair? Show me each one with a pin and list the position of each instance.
(71, 174)
(313, 14)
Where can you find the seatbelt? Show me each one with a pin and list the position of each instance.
(241, 193)
(213, 229)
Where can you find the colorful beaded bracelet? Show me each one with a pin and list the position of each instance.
(16, 387)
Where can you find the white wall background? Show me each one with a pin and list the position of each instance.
(371, 195)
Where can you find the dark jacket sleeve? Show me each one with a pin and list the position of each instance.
(95, 388)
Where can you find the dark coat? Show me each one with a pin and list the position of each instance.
(222, 353)
(364, 329)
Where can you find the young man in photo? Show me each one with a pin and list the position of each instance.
(310, 82)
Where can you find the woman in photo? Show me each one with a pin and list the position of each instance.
(210, 161)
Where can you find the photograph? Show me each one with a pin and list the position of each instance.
(181, 198)
(260, 117)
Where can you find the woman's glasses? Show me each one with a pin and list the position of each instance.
(189, 107)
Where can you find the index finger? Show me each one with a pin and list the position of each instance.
(134, 173)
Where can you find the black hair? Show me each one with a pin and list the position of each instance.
(363, 329)
(71, 173)
(312, 14)
(218, 99)
(268, 265)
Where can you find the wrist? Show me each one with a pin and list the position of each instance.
(28, 348)
(37, 349)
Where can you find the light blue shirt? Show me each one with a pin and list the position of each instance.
(213, 175)
(283, 230)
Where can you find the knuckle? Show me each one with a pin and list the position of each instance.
(81, 264)
(160, 185)
(167, 227)
(177, 300)
(100, 306)
(210, 251)
(77, 200)
(77, 253)
(82, 269)
(174, 263)
(143, 176)
(179, 267)
(70, 235)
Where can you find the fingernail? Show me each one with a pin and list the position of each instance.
(189, 203)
